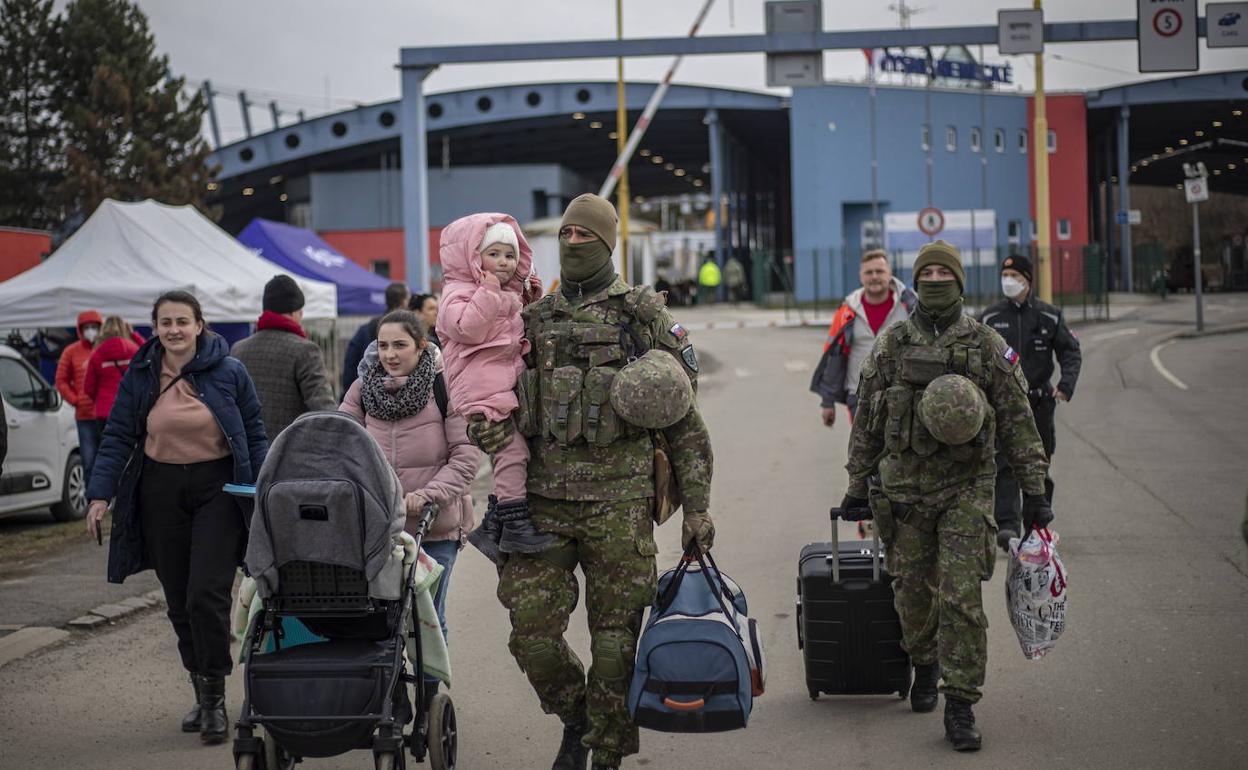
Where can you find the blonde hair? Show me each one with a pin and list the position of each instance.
(114, 326)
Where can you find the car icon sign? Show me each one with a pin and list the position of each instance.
(1228, 20)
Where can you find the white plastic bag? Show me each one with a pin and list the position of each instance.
(1035, 592)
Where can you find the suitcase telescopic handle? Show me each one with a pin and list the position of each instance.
(854, 514)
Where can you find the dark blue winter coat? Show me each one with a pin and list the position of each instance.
(223, 385)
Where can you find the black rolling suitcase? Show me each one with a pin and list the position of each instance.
(847, 628)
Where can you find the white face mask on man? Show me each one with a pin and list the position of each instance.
(1012, 287)
(90, 333)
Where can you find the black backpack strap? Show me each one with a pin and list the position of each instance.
(440, 395)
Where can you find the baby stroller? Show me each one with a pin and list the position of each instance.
(324, 664)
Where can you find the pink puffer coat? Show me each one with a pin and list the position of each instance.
(432, 456)
(480, 327)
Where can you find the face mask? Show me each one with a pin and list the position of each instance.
(1012, 287)
(938, 295)
(581, 261)
(90, 334)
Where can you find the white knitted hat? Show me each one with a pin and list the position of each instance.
(500, 232)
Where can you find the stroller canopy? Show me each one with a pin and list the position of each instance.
(326, 494)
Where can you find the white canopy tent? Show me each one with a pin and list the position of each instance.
(127, 254)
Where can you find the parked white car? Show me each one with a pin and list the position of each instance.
(42, 467)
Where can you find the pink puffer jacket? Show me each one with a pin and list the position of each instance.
(431, 456)
(480, 327)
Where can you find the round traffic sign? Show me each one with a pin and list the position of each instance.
(1167, 22)
(931, 220)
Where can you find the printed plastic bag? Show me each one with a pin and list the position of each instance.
(1035, 592)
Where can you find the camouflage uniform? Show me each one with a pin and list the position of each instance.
(934, 506)
(591, 484)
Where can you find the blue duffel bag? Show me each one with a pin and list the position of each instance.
(700, 659)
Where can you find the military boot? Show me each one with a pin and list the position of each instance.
(605, 760)
(485, 537)
(923, 695)
(519, 534)
(572, 753)
(190, 722)
(214, 725)
(960, 727)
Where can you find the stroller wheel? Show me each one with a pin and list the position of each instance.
(275, 757)
(390, 760)
(245, 762)
(443, 734)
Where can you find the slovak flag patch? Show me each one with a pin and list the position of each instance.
(1010, 355)
(678, 331)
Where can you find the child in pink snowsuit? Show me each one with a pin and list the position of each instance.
(488, 267)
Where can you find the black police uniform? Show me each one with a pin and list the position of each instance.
(1037, 332)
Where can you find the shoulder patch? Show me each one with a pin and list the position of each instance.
(690, 357)
(678, 331)
(1010, 355)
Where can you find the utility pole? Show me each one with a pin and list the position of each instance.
(1040, 164)
(621, 140)
(1196, 189)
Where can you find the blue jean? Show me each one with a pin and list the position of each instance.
(88, 442)
(444, 552)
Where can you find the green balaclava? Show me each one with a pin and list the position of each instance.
(940, 301)
(585, 268)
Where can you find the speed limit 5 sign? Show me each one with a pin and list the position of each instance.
(1167, 35)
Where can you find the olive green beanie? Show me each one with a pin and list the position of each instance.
(941, 253)
(595, 214)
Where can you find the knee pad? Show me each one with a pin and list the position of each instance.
(539, 658)
(612, 655)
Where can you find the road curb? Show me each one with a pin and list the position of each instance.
(1209, 332)
(24, 641)
(106, 613)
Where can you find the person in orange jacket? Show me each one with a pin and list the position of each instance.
(71, 370)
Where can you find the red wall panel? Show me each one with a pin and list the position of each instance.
(21, 250)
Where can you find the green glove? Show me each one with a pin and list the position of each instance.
(489, 437)
(697, 525)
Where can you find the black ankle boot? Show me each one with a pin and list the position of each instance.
(485, 537)
(519, 534)
(960, 727)
(190, 722)
(572, 753)
(214, 725)
(923, 694)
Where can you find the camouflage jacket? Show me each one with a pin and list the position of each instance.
(580, 449)
(888, 438)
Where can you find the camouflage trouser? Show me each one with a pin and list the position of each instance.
(613, 541)
(939, 556)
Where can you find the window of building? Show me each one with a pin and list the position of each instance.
(381, 267)
(1022, 140)
(1052, 141)
(951, 138)
(998, 139)
(1063, 229)
(975, 140)
(925, 137)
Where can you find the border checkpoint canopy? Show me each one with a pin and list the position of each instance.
(126, 254)
(302, 252)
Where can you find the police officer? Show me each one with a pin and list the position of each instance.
(591, 482)
(933, 455)
(1037, 332)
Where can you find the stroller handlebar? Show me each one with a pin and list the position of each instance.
(428, 513)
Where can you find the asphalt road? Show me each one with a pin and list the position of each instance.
(1152, 671)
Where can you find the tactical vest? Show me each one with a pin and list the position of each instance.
(917, 365)
(565, 396)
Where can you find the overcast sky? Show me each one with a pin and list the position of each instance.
(326, 55)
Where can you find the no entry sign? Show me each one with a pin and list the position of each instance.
(1167, 35)
(931, 220)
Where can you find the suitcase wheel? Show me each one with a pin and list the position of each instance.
(814, 694)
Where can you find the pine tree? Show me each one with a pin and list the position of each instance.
(130, 132)
(30, 137)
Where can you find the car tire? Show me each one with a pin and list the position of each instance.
(73, 503)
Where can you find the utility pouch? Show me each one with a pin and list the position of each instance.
(922, 364)
(666, 488)
(897, 400)
(882, 513)
(526, 394)
(601, 425)
(922, 442)
(989, 564)
(561, 404)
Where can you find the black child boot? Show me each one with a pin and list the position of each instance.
(485, 537)
(214, 724)
(960, 727)
(519, 534)
(190, 722)
(923, 693)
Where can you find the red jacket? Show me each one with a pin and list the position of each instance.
(71, 370)
(105, 368)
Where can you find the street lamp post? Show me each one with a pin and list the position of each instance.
(1196, 188)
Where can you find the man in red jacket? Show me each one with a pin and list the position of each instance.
(70, 373)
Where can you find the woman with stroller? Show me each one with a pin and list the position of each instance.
(185, 422)
(401, 400)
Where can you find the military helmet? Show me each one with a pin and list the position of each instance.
(953, 409)
(652, 392)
